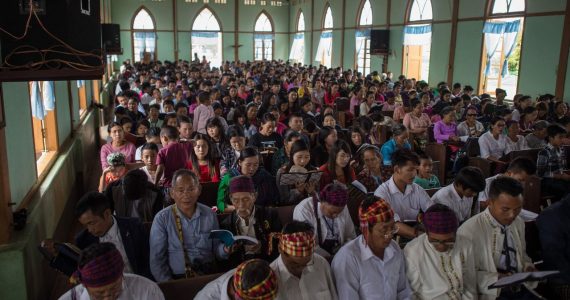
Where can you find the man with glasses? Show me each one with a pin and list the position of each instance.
(100, 276)
(302, 274)
(179, 238)
(372, 265)
(250, 220)
(498, 239)
(448, 261)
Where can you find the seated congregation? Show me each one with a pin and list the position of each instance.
(270, 180)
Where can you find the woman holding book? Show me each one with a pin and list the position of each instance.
(299, 157)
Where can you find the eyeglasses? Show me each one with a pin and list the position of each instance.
(448, 243)
(471, 115)
(387, 234)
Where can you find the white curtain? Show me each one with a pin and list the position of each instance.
(417, 35)
(491, 43)
(509, 42)
(144, 42)
(298, 48)
(208, 44)
(324, 51)
(48, 95)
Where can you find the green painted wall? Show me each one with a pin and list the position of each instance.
(62, 108)
(469, 41)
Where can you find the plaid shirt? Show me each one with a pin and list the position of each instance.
(551, 161)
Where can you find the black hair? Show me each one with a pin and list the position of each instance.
(297, 226)
(402, 156)
(149, 146)
(113, 124)
(168, 117)
(153, 132)
(446, 110)
(155, 106)
(183, 119)
(365, 123)
(134, 182)
(216, 122)
(120, 110)
(522, 164)
(554, 130)
(247, 152)
(168, 101)
(169, 132)
(323, 134)
(298, 146)
(95, 202)
(93, 251)
(255, 273)
(209, 156)
(340, 145)
(235, 131)
(507, 185)
(143, 122)
(398, 129)
(179, 105)
(203, 97)
(185, 173)
(125, 120)
(414, 103)
(268, 117)
(471, 178)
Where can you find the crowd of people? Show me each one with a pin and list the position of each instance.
(274, 134)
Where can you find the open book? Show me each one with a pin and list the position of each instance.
(522, 277)
(292, 178)
(228, 238)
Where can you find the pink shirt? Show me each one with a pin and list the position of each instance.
(128, 149)
(399, 113)
(413, 122)
(173, 157)
(442, 132)
(201, 115)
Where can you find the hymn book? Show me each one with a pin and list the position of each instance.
(518, 278)
(228, 238)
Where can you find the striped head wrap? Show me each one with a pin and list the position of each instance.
(440, 222)
(298, 244)
(264, 290)
(379, 211)
(334, 194)
(102, 270)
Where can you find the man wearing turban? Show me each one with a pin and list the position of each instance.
(448, 260)
(250, 220)
(302, 274)
(100, 275)
(330, 216)
(372, 266)
(251, 280)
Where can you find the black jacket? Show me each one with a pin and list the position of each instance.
(135, 242)
(151, 203)
(266, 222)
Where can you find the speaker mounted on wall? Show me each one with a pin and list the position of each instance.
(52, 40)
(111, 38)
(379, 41)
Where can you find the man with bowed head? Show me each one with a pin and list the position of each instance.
(372, 265)
(448, 260)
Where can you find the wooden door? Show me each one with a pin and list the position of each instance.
(414, 62)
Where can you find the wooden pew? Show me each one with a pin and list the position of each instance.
(209, 194)
(432, 192)
(483, 164)
(437, 152)
(531, 154)
(285, 214)
(187, 288)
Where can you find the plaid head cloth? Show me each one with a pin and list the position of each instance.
(298, 244)
(378, 212)
(241, 183)
(264, 290)
(337, 197)
(440, 222)
(102, 270)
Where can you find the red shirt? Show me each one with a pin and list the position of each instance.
(329, 99)
(327, 176)
(173, 157)
(204, 173)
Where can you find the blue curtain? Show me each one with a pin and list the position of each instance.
(417, 29)
(363, 33)
(205, 34)
(36, 102)
(299, 36)
(326, 34)
(48, 95)
(493, 31)
(509, 43)
(259, 36)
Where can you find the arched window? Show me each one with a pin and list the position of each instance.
(417, 40)
(324, 50)
(207, 38)
(144, 36)
(298, 48)
(502, 34)
(363, 39)
(263, 38)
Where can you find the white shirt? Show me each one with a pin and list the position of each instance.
(441, 275)
(217, 289)
(148, 175)
(489, 146)
(304, 211)
(487, 241)
(146, 98)
(463, 128)
(514, 146)
(315, 283)
(406, 205)
(526, 215)
(460, 205)
(135, 287)
(359, 274)
(113, 235)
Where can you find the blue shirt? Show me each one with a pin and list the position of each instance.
(388, 149)
(166, 253)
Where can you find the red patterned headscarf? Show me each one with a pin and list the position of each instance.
(440, 222)
(298, 244)
(379, 211)
(102, 270)
(264, 290)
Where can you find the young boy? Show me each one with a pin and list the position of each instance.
(184, 128)
(168, 107)
(152, 136)
(154, 116)
(116, 170)
(459, 195)
(425, 178)
(172, 157)
(551, 164)
(149, 154)
(203, 112)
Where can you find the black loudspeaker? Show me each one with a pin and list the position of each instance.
(111, 37)
(62, 41)
(380, 41)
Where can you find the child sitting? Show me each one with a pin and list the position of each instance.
(152, 136)
(149, 154)
(425, 178)
(116, 170)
